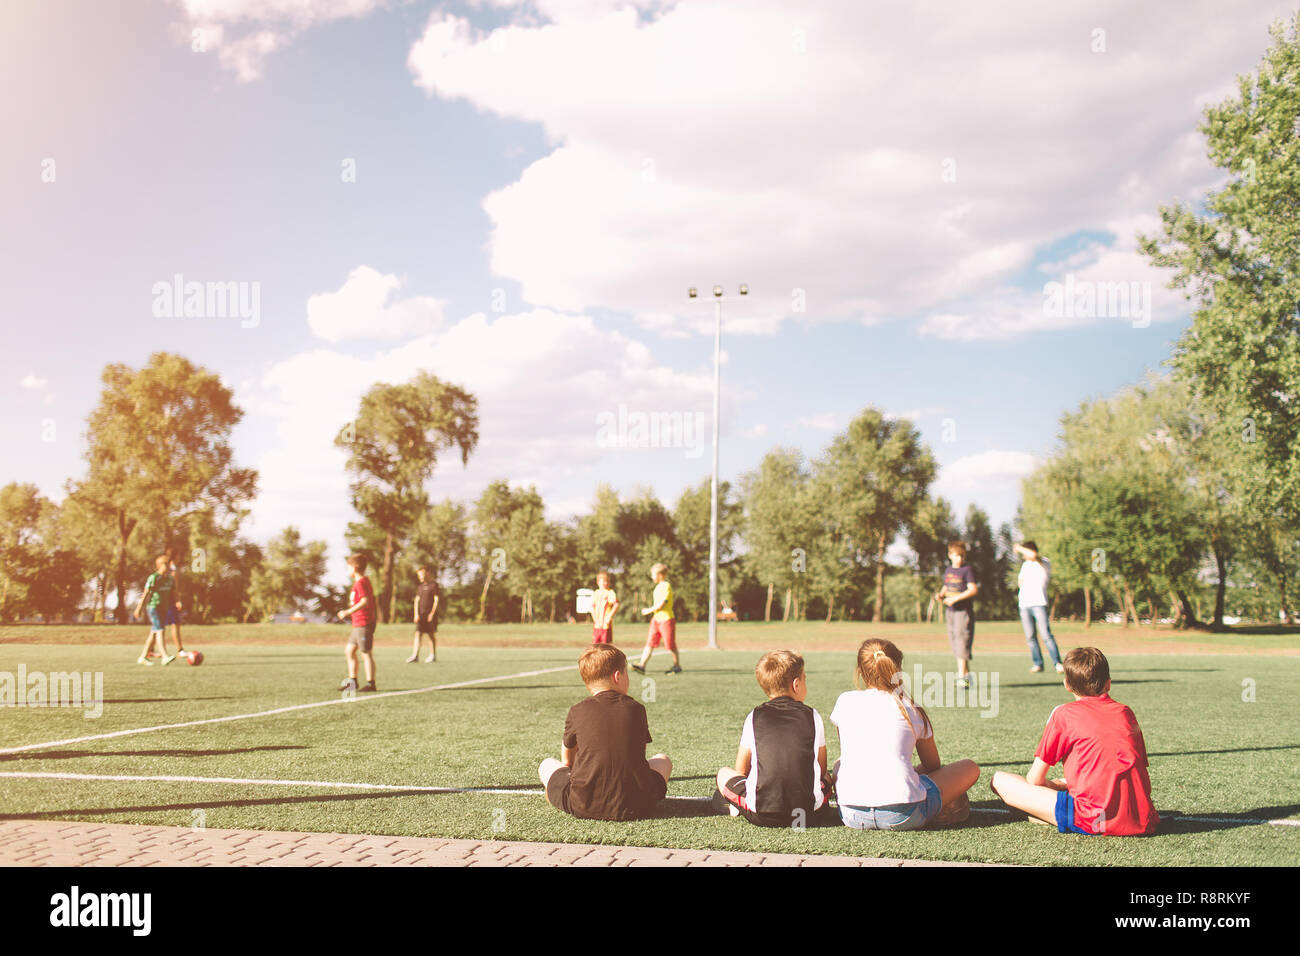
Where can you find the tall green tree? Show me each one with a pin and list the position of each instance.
(393, 448)
(489, 536)
(526, 541)
(88, 529)
(598, 544)
(290, 575)
(692, 521)
(1120, 505)
(39, 573)
(871, 483)
(158, 449)
(1239, 260)
(439, 540)
(215, 567)
(778, 524)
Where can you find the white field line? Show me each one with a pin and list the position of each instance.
(337, 785)
(258, 781)
(283, 710)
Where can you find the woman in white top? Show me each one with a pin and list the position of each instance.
(875, 783)
(1034, 575)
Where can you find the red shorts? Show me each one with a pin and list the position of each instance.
(602, 635)
(667, 630)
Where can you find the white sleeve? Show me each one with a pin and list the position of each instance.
(747, 733)
(819, 732)
(836, 714)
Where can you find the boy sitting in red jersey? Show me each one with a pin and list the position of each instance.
(1106, 789)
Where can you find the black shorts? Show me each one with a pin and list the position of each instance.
(733, 795)
(425, 626)
(557, 791)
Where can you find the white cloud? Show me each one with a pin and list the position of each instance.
(539, 396)
(802, 149)
(823, 421)
(916, 414)
(243, 33)
(32, 380)
(361, 309)
(986, 470)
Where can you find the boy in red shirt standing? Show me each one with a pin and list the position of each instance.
(1106, 789)
(364, 620)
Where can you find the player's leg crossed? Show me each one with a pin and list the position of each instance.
(1015, 791)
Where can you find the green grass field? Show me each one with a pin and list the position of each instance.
(1214, 756)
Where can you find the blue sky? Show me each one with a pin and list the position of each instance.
(536, 185)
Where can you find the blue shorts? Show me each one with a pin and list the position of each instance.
(160, 617)
(1065, 814)
(896, 816)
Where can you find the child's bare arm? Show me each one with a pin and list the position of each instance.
(928, 751)
(743, 759)
(821, 759)
(1038, 773)
(567, 754)
(970, 592)
(434, 610)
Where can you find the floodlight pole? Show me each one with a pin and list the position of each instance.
(713, 485)
(713, 509)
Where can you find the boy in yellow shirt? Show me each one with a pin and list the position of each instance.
(663, 624)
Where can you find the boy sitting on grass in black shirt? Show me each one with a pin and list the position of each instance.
(604, 773)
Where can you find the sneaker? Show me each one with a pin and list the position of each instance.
(1036, 669)
(638, 668)
(722, 807)
(964, 682)
(367, 688)
(412, 659)
(675, 669)
(349, 683)
(1060, 668)
(145, 661)
(431, 658)
(168, 659)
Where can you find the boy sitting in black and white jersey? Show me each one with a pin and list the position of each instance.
(779, 779)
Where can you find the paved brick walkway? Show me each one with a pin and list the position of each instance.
(46, 843)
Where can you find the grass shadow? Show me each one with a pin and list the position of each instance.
(1176, 822)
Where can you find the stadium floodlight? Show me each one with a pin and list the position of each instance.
(713, 486)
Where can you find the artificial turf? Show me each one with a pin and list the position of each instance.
(1215, 753)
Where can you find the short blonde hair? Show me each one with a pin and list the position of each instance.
(658, 569)
(778, 670)
(600, 662)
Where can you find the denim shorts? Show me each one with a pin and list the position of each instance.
(896, 816)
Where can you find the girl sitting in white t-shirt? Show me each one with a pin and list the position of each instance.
(875, 783)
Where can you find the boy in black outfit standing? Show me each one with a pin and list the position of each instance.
(426, 615)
